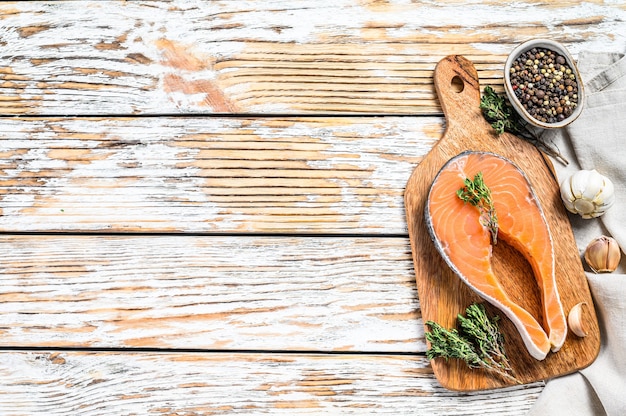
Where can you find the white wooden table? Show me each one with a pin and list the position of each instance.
(202, 202)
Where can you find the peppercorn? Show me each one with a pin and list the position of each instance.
(544, 84)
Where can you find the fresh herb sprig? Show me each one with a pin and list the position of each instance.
(498, 111)
(476, 193)
(478, 342)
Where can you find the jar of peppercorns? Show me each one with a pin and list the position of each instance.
(543, 84)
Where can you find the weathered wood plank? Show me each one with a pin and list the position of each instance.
(280, 56)
(253, 293)
(68, 383)
(330, 175)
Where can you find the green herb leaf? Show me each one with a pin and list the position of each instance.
(476, 193)
(479, 342)
(486, 335)
(498, 111)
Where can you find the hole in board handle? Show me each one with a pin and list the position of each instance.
(457, 84)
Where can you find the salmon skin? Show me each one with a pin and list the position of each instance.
(465, 242)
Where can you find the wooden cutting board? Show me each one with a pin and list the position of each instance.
(442, 294)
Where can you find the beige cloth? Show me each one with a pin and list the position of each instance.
(597, 140)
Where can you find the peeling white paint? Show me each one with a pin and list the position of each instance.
(102, 384)
(110, 61)
(153, 174)
(251, 292)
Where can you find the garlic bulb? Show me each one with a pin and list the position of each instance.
(603, 254)
(587, 193)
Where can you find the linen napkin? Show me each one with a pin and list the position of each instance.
(597, 140)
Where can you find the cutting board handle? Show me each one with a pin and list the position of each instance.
(458, 89)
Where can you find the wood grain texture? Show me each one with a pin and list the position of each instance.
(108, 169)
(278, 56)
(231, 293)
(90, 384)
(442, 294)
(171, 174)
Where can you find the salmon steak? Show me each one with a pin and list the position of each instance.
(465, 241)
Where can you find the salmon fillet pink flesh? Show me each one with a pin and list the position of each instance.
(465, 243)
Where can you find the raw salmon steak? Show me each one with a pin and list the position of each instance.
(465, 242)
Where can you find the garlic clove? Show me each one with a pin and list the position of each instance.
(603, 254)
(584, 206)
(593, 186)
(606, 195)
(575, 320)
(576, 185)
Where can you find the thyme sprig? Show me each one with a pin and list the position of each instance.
(498, 111)
(478, 342)
(476, 193)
